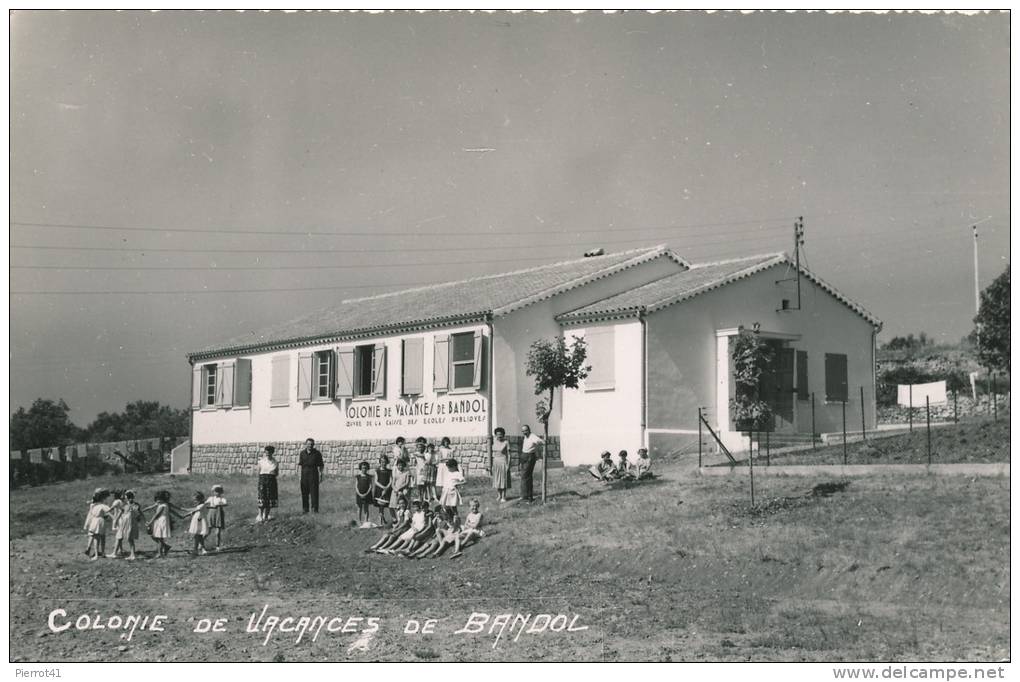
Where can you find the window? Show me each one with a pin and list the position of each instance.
(462, 349)
(458, 360)
(835, 377)
(601, 344)
(322, 372)
(209, 384)
(364, 371)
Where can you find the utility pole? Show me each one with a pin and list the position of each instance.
(798, 240)
(977, 289)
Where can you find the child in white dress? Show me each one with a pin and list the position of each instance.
(161, 526)
(472, 525)
(451, 491)
(199, 522)
(95, 523)
(217, 514)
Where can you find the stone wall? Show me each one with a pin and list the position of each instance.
(342, 457)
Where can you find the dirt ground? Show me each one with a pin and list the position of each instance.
(676, 569)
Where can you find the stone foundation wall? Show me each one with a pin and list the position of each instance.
(342, 457)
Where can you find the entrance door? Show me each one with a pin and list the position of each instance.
(777, 388)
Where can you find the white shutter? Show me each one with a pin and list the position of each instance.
(196, 387)
(379, 370)
(414, 361)
(441, 365)
(225, 384)
(345, 372)
(304, 377)
(476, 381)
(280, 394)
(242, 383)
(601, 344)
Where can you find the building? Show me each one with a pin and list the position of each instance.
(450, 360)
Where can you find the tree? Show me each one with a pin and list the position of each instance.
(45, 424)
(992, 324)
(554, 366)
(140, 419)
(752, 357)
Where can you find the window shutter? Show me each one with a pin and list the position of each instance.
(414, 361)
(242, 383)
(802, 376)
(441, 366)
(476, 381)
(601, 344)
(379, 370)
(835, 377)
(345, 372)
(225, 384)
(281, 381)
(786, 368)
(196, 387)
(304, 377)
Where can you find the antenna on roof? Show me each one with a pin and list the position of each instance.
(798, 241)
(594, 252)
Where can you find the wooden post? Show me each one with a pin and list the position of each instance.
(863, 434)
(995, 400)
(910, 408)
(844, 432)
(750, 461)
(927, 418)
(956, 413)
(699, 437)
(768, 453)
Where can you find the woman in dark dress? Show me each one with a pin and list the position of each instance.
(268, 493)
(383, 489)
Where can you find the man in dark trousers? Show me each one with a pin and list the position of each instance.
(311, 465)
(529, 456)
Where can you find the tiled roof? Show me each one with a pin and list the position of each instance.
(438, 303)
(700, 278)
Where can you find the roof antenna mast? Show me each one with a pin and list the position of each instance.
(798, 240)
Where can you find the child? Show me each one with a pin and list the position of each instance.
(623, 469)
(450, 535)
(444, 453)
(430, 472)
(604, 471)
(401, 483)
(472, 525)
(454, 479)
(95, 523)
(130, 521)
(116, 511)
(199, 523)
(433, 540)
(382, 486)
(161, 526)
(399, 451)
(363, 485)
(643, 466)
(433, 520)
(217, 514)
(402, 523)
(421, 460)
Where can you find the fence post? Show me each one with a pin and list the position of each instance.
(956, 412)
(750, 461)
(927, 418)
(910, 408)
(813, 420)
(768, 460)
(844, 431)
(864, 436)
(699, 437)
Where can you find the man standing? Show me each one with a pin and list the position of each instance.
(529, 455)
(311, 464)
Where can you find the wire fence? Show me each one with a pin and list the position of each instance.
(37, 466)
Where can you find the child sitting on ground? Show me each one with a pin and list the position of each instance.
(450, 535)
(403, 522)
(643, 465)
(623, 468)
(605, 470)
(472, 526)
(419, 522)
(440, 524)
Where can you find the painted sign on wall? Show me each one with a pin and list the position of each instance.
(452, 415)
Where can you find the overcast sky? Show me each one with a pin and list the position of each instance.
(421, 148)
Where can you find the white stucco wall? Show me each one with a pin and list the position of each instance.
(331, 421)
(606, 418)
(515, 398)
(683, 352)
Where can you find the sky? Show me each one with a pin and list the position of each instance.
(181, 178)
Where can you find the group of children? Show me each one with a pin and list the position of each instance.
(432, 474)
(426, 532)
(124, 518)
(623, 470)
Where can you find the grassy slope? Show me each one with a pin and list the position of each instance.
(973, 441)
(889, 568)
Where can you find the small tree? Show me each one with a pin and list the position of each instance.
(554, 365)
(993, 324)
(751, 358)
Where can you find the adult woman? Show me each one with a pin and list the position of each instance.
(269, 495)
(445, 453)
(501, 463)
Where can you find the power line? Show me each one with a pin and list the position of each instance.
(474, 233)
